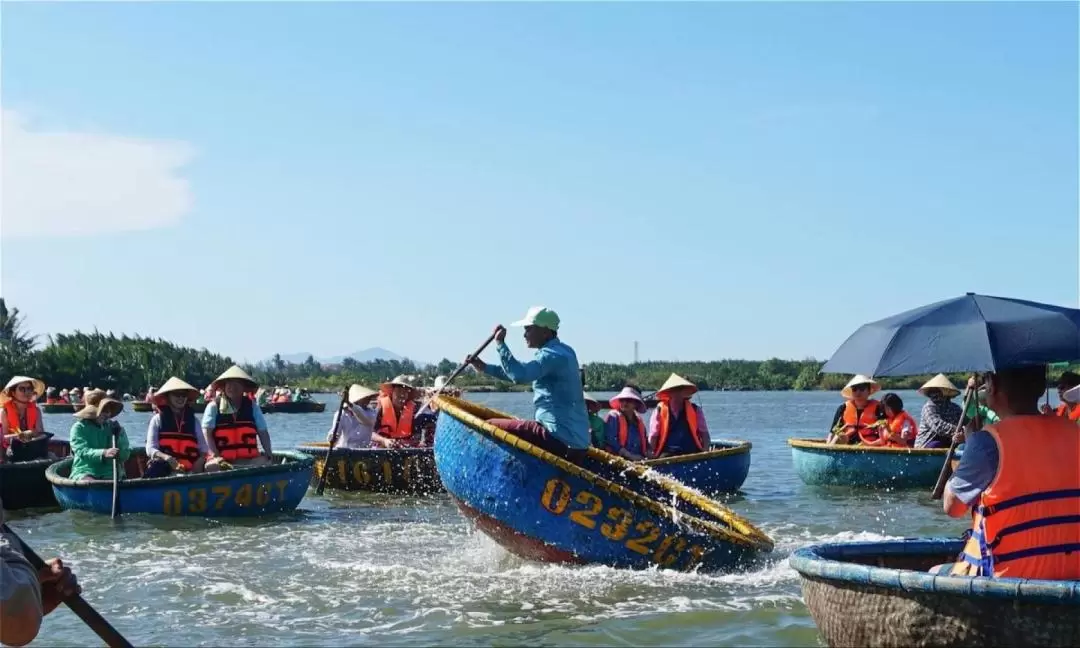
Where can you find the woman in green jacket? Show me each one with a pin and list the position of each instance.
(91, 439)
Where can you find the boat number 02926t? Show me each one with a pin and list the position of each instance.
(618, 525)
(220, 497)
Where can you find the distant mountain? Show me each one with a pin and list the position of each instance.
(367, 355)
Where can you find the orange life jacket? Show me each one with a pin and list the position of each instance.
(663, 410)
(1065, 411)
(896, 426)
(176, 436)
(390, 425)
(863, 422)
(234, 434)
(1027, 521)
(11, 411)
(624, 431)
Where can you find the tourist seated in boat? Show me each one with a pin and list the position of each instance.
(26, 593)
(357, 419)
(233, 422)
(75, 396)
(597, 433)
(940, 415)
(91, 439)
(624, 426)
(1019, 481)
(22, 427)
(51, 397)
(901, 428)
(562, 421)
(395, 415)
(678, 425)
(64, 396)
(174, 439)
(1068, 408)
(859, 417)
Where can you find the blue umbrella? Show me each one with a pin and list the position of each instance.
(973, 333)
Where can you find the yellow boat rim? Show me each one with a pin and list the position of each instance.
(742, 448)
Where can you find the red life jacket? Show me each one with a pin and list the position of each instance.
(863, 422)
(234, 434)
(11, 411)
(624, 431)
(663, 410)
(896, 426)
(176, 437)
(1070, 412)
(390, 424)
(1026, 523)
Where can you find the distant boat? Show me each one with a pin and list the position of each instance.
(143, 406)
(301, 407)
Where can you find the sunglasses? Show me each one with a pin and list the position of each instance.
(860, 388)
(25, 389)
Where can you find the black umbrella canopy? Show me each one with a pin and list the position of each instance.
(975, 333)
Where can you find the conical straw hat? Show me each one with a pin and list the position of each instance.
(859, 379)
(675, 381)
(589, 398)
(942, 382)
(39, 388)
(358, 393)
(235, 373)
(95, 402)
(174, 384)
(398, 381)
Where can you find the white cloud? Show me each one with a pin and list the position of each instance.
(71, 183)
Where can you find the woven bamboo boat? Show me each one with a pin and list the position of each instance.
(376, 470)
(23, 483)
(300, 407)
(56, 408)
(819, 464)
(605, 511)
(723, 469)
(880, 594)
(240, 492)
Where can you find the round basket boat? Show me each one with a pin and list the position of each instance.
(605, 511)
(23, 484)
(240, 492)
(881, 594)
(301, 407)
(56, 408)
(723, 469)
(818, 464)
(376, 470)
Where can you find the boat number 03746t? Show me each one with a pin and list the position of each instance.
(618, 525)
(220, 497)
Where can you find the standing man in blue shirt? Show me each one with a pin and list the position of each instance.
(562, 422)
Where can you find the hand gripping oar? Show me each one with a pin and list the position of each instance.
(333, 441)
(457, 372)
(946, 469)
(77, 603)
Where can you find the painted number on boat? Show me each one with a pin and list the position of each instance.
(618, 525)
(222, 497)
(363, 473)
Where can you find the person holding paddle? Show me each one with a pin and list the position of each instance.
(1019, 480)
(562, 422)
(91, 439)
(27, 595)
(357, 420)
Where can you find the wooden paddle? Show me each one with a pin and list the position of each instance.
(77, 603)
(333, 440)
(946, 470)
(457, 372)
(115, 472)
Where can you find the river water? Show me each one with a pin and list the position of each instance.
(361, 569)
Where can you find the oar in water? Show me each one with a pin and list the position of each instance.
(115, 472)
(457, 372)
(946, 470)
(77, 603)
(333, 440)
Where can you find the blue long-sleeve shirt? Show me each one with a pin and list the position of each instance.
(557, 393)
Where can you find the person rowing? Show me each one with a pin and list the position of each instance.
(96, 440)
(562, 422)
(678, 425)
(940, 415)
(234, 422)
(357, 419)
(22, 427)
(174, 439)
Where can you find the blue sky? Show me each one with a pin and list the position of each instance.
(712, 180)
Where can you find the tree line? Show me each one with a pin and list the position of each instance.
(133, 363)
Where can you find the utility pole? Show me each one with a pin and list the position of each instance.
(635, 352)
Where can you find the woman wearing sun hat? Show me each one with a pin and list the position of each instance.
(859, 417)
(395, 414)
(91, 438)
(940, 416)
(357, 420)
(624, 428)
(678, 426)
(21, 423)
(174, 438)
(233, 422)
